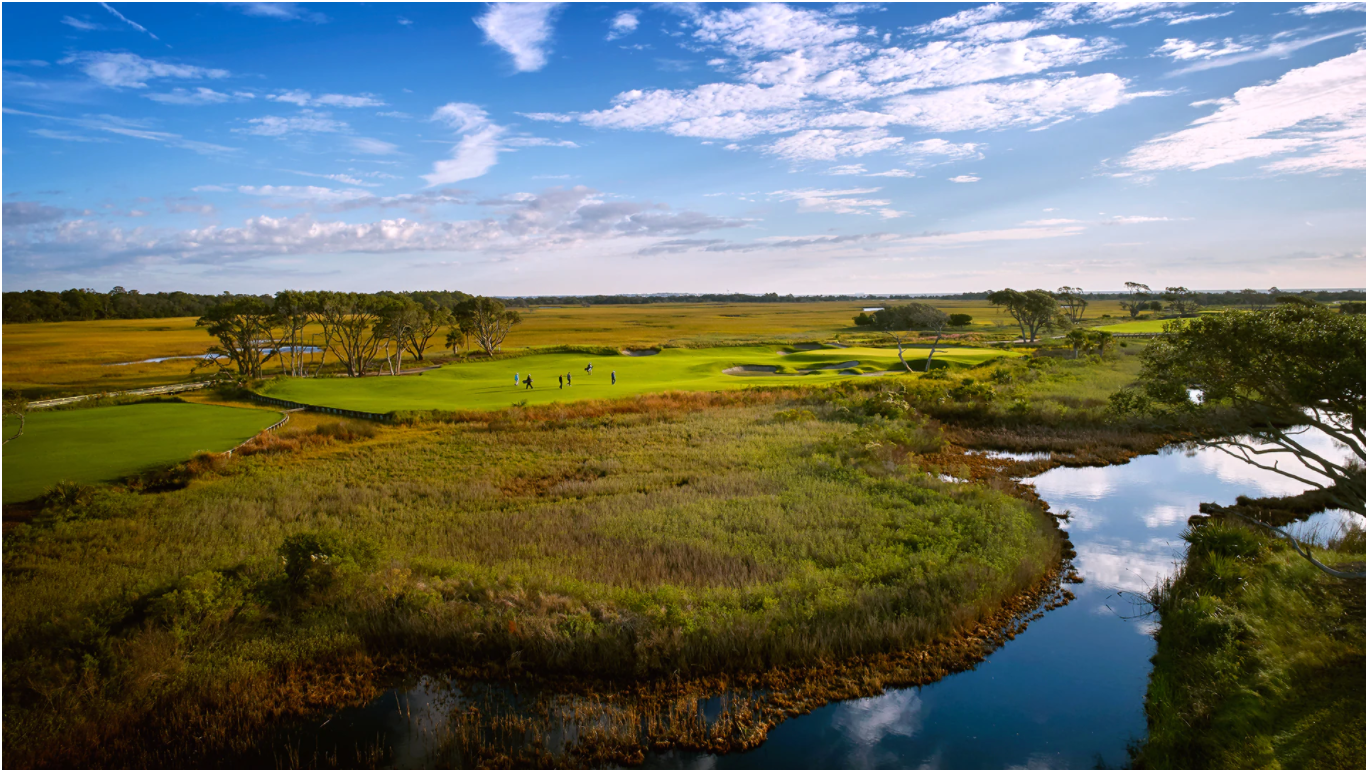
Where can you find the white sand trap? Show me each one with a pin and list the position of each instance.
(750, 370)
(640, 352)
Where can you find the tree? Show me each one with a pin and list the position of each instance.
(960, 320)
(1288, 298)
(1076, 338)
(1034, 310)
(489, 321)
(1139, 298)
(349, 328)
(242, 326)
(902, 321)
(397, 317)
(1182, 300)
(291, 316)
(1351, 307)
(1073, 302)
(863, 319)
(429, 319)
(16, 405)
(1282, 371)
(1098, 340)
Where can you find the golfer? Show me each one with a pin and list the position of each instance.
(515, 380)
(614, 375)
(562, 381)
(528, 382)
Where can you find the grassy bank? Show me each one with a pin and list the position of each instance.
(687, 534)
(88, 445)
(1261, 657)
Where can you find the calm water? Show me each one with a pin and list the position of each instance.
(1068, 693)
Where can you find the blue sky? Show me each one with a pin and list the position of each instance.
(621, 147)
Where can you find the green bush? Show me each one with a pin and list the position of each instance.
(314, 560)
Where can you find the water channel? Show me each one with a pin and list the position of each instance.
(1068, 693)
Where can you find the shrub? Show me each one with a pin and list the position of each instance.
(960, 320)
(314, 560)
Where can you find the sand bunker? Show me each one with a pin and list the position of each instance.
(640, 352)
(836, 366)
(750, 370)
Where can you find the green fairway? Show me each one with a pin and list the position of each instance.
(1140, 326)
(489, 384)
(99, 444)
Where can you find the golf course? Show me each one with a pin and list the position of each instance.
(490, 384)
(102, 444)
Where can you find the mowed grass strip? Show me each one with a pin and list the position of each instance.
(1140, 326)
(490, 385)
(102, 444)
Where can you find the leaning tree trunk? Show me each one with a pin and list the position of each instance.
(900, 352)
(933, 351)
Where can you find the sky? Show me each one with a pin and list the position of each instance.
(533, 148)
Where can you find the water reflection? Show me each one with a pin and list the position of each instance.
(1068, 693)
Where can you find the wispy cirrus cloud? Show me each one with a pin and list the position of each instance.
(521, 29)
(130, 71)
(305, 99)
(1309, 120)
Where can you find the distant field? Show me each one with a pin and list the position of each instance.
(1140, 326)
(100, 444)
(46, 359)
(489, 384)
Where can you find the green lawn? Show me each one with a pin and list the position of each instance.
(489, 384)
(100, 444)
(1140, 326)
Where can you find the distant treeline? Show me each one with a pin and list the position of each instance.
(120, 304)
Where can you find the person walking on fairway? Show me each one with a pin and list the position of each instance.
(515, 380)
(528, 382)
(562, 381)
(589, 369)
(567, 378)
(614, 375)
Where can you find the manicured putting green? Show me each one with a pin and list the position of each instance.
(100, 444)
(489, 384)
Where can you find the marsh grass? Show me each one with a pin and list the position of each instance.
(686, 534)
(1260, 661)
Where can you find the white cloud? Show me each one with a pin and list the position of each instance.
(964, 179)
(309, 193)
(475, 153)
(842, 202)
(200, 96)
(893, 173)
(80, 24)
(1023, 103)
(1280, 49)
(129, 21)
(372, 146)
(953, 63)
(624, 23)
(1184, 50)
(847, 169)
(1049, 222)
(938, 151)
(1318, 8)
(130, 71)
(962, 20)
(305, 99)
(282, 11)
(769, 27)
(1192, 17)
(405, 22)
(555, 218)
(127, 128)
(831, 144)
(1313, 118)
(1131, 220)
(277, 126)
(521, 29)
(1011, 30)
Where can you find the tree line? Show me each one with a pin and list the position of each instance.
(365, 333)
